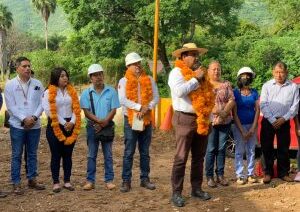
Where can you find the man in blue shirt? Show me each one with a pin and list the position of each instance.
(278, 103)
(99, 103)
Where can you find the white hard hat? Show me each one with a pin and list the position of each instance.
(246, 70)
(132, 58)
(94, 68)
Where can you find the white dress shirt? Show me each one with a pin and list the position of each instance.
(63, 106)
(180, 89)
(23, 100)
(126, 103)
(279, 100)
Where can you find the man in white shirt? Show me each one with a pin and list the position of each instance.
(23, 101)
(138, 95)
(185, 122)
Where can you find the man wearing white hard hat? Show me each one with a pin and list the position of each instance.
(279, 103)
(193, 101)
(99, 103)
(245, 113)
(138, 95)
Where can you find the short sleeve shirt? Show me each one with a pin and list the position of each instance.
(104, 102)
(246, 105)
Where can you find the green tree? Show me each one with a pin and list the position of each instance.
(6, 21)
(45, 7)
(286, 14)
(105, 27)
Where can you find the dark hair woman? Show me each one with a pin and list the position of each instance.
(245, 113)
(61, 105)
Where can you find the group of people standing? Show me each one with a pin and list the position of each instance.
(204, 104)
(26, 99)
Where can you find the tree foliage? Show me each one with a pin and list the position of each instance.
(45, 7)
(105, 27)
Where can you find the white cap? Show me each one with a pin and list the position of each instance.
(132, 58)
(94, 68)
(246, 70)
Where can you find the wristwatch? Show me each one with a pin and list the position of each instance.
(35, 118)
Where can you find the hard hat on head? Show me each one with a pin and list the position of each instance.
(132, 57)
(246, 70)
(94, 68)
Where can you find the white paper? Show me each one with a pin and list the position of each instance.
(137, 124)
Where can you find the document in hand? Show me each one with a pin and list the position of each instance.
(137, 124)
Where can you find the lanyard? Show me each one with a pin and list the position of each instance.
(25, 95)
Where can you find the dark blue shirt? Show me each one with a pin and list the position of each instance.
(246, 105)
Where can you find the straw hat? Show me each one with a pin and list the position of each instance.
(188, 47)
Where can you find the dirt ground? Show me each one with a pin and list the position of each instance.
(278, 196)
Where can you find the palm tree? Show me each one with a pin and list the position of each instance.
(6, 21)
(46, 7)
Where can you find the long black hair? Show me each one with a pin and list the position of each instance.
(55, 75)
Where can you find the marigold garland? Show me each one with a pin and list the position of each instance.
(53, 114)
(132, 93)
(203, 99)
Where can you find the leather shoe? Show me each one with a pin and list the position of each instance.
(2, 195)
(178, 200)
(17, 189)
(35, 185)
(126, 186)
(147, 184)
(267, 179)
(200, 194)
(211, 182)
(222, 181)
(287, 178)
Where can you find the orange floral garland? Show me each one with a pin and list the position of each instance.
(203, 99)
(53, 114)
(132, 93)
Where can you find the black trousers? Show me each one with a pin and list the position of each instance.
(267, 134)
(59, 151)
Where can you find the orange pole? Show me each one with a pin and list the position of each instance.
(155, 50)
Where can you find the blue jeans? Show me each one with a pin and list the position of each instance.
(216, 149)
(18, 139)
(131, 138)
(93, 146)
(240, 147)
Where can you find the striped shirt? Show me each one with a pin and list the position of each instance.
(279, 100)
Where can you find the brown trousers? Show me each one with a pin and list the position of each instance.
(187, 139)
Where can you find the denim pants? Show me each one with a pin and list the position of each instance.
(59, 151)
(143, 138)
(216, 149)
(18, 139)
(93, 146)
(240, 147)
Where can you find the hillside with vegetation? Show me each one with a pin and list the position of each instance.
(28, 19)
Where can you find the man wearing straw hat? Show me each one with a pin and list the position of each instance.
(192, 100)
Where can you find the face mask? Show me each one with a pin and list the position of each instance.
(246, 81)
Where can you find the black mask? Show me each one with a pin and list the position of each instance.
(246, 81)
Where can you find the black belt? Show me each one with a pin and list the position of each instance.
(188, 114)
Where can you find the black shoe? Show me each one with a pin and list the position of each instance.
(126, 186)
(2, 195)
(147, 184)
(178, 200)
(201, 194)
